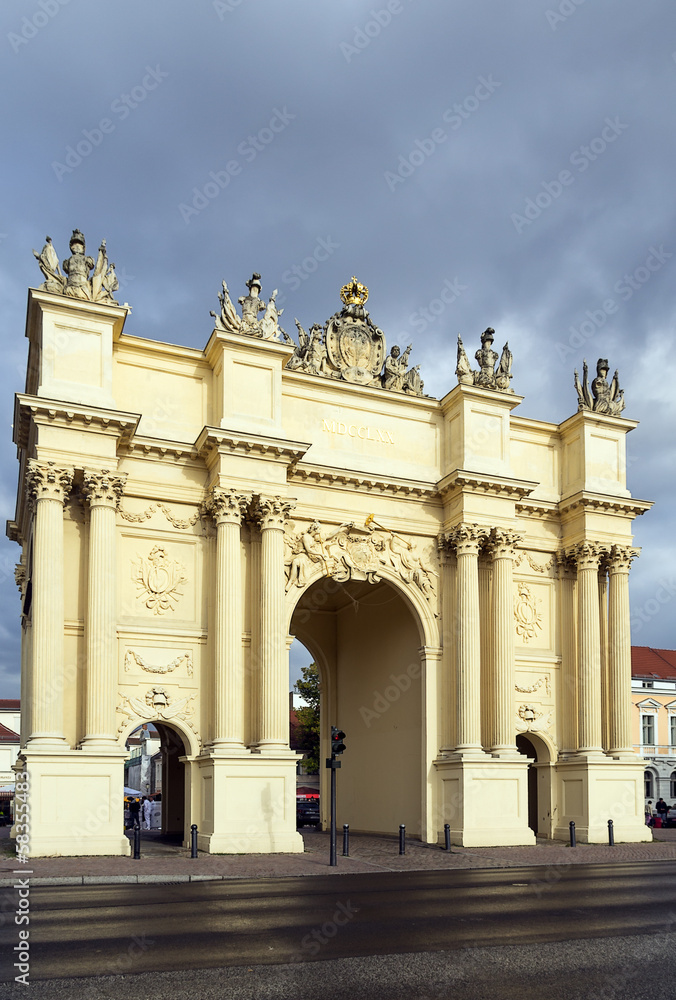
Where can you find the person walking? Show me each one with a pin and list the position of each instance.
(134, 810)
(147, 813)
(662, 810)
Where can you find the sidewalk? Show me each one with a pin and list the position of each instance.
(161, 862)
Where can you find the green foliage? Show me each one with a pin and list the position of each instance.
(307, 732)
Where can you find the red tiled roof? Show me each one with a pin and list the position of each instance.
(653, 663)
(8, 735)
(11, 703)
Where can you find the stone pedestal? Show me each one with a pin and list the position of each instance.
(591, 791)
(477, 796)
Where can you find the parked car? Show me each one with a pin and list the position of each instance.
(307, 810)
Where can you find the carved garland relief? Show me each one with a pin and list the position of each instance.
(133, 660)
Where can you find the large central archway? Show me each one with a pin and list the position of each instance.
(366, 642)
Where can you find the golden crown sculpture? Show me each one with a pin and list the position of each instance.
(354, 293)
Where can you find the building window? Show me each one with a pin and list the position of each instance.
(647, 684)
(649, 793)
(672, 785)
(648, 730)
(672, 730)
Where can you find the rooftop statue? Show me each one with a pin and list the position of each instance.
(604, 397)
(351, 347)
(488, 377)
(76, 281)
(267, 328)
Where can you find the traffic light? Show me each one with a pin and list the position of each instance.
(337, 737)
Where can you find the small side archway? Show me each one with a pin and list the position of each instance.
(541, 757)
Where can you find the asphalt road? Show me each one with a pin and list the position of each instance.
(306, 927)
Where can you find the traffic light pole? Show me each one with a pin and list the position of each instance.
(333, 764)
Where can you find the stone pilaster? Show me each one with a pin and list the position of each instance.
(502, 546)
(48, 488)
(587, 556)
(619, 652)
(227, 508)
(271, 513)
(569, 694)
(103, 490)
(467, 540)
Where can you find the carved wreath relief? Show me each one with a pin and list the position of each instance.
(527, 615)
(158, 578)
(354, 553)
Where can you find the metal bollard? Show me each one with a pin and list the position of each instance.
(346, 840)
(611, 834)
(137, 843)
(571, 826)
(193, 840)
(402, 839)
(447, 836)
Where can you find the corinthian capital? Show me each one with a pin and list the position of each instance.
(227, 506)
(44, 481)
(502, 544)
(467, 538)
(588, 555)
(620, 557)
(103, 488)
(272, 512)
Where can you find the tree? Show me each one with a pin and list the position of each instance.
(307, 730)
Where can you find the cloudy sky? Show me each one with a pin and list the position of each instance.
(517, 156)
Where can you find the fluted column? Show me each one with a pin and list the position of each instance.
(227, 508)
(569, 692)
(448, 713)
(274, 667)
(48, 488)
(502, 546)
(467, 539)
(603, 649)
(587, 556)
(103, 490)
(619, 651)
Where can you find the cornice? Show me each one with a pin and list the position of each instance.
(229, 442)
(626, 506)
(60, 414)
(542, 509)
(319, 475)
(461, 481)
(159, 448)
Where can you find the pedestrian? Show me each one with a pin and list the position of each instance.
(147, 813)
(649, 813)
(127, 814)
(134, 810)
(662, 810)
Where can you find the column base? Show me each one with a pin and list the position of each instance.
(247, 805)
(591, 790)
(76, 802)
(485, 801)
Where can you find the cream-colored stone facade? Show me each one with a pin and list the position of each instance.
(459, 574)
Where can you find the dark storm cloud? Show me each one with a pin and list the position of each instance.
(532, 145)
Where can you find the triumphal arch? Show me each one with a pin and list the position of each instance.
(458, 572)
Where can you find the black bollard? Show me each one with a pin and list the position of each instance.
(571, 826)
(402, 839)
(137, 842)
(193, 840)
(447, 836)
(346, 840)
(611, 834)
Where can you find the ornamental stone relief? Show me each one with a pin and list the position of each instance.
(532, 688)
(133, 661)
(530, 719)
(176, 522)
(158, 578)
(158, 705)
(350, 552)
(527, 616)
